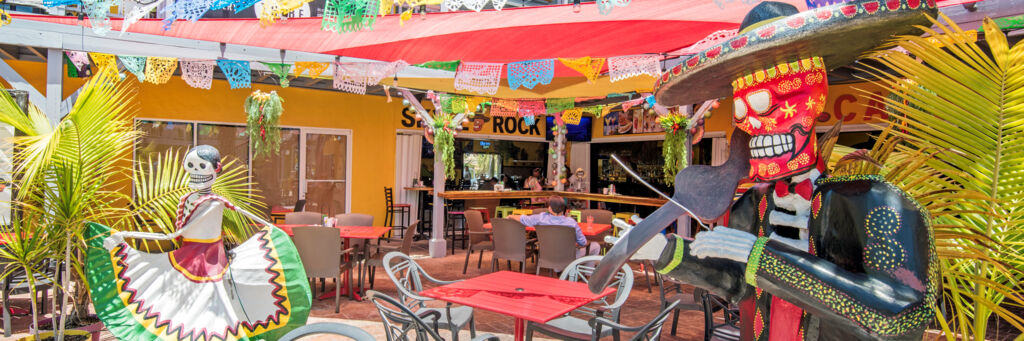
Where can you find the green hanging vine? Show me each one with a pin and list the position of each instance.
(674, 148)
(263, 120)
(444, 142)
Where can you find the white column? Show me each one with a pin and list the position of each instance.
(437, 242)
(54, 83)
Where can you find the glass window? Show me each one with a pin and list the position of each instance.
(326, 157)
(230, 140)
(159, 137)
(277, 175)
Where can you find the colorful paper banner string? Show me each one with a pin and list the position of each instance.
(378, 71)
(504, 107)
(572, 116)
(160, 69)
(529, 120)
(190, 10)
(605, 6)
(79, 58)
(103, 61)
(631, 103)
(554, 105)
(454, 104)
(280, 70)
(623, 67)
(350, 77)
(197, 73)
(530, 73)
(481, 78)
(349, 15)
(314, 69)
(134, 11)
(451, 65)
(531, 108)
(98, 11)
(136, 65)
(238, 72)
(588, 67)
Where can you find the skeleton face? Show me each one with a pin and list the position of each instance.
(778, 107)
(201, 172)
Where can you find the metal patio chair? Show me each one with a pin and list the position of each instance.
(569, 327)
(409, 278)
(650, 331)
(399, 320)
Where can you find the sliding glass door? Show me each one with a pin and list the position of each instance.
(326, 171)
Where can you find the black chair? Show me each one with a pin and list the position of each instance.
(329, 328)
(299, 205)
(393, 209)
(729, 329)
(650, 331)
(17, 283)
(399, 320)
(670, 292)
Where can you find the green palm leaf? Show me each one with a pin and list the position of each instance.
(955, 144)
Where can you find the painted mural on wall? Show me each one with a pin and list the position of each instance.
(633, 121)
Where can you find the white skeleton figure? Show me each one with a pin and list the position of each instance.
(202, 165)
(725, 242)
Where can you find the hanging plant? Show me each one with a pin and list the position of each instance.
(263, 120)
(444, 142)
(674, 149)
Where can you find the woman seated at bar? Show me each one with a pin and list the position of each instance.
(557, 214)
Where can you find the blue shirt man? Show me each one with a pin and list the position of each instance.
(556, 216)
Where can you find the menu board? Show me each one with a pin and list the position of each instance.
(633, 121)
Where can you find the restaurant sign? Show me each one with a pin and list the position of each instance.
(480, 124)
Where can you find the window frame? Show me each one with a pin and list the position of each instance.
(303, 131)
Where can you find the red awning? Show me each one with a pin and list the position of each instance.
(514, 34)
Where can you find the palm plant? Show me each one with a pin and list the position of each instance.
(957, 122)
(71, 172)
(159, 185)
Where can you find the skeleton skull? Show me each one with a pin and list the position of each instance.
(202, 164)
(778, 107)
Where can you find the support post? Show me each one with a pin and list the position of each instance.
(437, 242)
(54, 83)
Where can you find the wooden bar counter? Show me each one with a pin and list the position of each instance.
(621, 199)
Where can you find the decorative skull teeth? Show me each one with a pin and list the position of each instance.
(197, 179)
(765, 146)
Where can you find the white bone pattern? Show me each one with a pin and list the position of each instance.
(797, 204)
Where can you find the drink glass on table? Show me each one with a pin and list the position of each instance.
(590, 221)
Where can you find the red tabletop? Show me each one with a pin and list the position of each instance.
(356, 232)
(523, 296)
(589, 230)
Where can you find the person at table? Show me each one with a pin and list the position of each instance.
(489, 184)
(557, 214)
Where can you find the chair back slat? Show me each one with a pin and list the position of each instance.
(303, 218)
(556, 246)
(475, 223)
(318, 248)
(600, 216)
(581, 269)
(509, 239)
(354, 219)
(398, 319)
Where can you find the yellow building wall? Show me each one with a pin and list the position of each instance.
(371, 119)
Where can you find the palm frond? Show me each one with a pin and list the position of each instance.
(957, 121)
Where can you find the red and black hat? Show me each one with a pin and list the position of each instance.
(774, 33)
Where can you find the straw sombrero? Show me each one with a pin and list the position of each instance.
(774, 33)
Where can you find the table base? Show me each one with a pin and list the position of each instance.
(520, 331)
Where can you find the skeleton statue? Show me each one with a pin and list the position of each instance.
(199, 290)
(805, 256)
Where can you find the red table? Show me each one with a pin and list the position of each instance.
(349, 232)
(589, 230)
(523, 296)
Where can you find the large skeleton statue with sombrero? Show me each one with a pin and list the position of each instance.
(806, 256)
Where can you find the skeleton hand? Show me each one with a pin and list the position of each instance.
(723, 242)
(113, 241)
(650, 251)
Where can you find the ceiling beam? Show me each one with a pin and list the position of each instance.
(36, 52)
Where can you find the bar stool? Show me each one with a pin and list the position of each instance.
(392, 209)
(503, 211)
(456, 221)
(577, 215)
(624, 216)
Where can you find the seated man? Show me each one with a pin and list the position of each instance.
(557, 215)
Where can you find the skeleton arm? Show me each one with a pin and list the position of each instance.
(118, 237)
